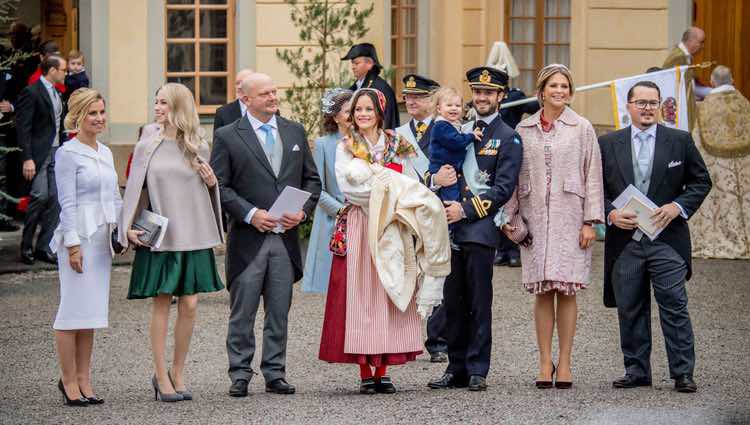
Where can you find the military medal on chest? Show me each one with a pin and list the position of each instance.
(482, 177)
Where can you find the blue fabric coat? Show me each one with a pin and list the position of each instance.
(319, 257)
(448, 147)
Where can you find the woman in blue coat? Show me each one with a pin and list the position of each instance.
(335, 109)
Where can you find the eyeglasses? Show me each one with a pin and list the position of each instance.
(646, 104)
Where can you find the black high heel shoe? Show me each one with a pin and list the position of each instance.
(563, 385)
(543, 385)
(78, 402)
(93, 399)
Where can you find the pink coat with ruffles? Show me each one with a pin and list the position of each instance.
(576, 197)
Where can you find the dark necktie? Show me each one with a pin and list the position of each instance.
(480, 124)
(421, 128)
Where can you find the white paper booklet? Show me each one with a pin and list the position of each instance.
(635, 201)
(290, 201)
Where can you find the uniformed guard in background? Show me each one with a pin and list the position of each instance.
(487, 180)
(366, 69)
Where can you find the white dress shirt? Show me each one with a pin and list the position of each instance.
(650, 144)
(243, 108)
(56, 106)
(261, 134)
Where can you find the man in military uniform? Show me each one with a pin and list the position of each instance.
(366, 70)
(507, 252)
(417, 93)
(487, 180)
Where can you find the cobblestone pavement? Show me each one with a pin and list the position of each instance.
(719, 304)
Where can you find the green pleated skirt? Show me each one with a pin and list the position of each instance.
(175, 273)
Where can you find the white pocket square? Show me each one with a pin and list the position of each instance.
(674, 164)
(295, 148)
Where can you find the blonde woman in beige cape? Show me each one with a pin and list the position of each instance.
(170, 176)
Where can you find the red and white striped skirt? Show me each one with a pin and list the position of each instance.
(361, 325)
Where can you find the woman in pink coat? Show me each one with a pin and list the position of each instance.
(558, 199)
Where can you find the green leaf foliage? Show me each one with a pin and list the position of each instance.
(328, 29)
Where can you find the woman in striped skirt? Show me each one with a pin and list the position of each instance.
(361, 325)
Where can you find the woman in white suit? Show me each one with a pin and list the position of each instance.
(90, 203)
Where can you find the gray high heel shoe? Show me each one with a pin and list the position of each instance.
(158, 395)
(186, 395)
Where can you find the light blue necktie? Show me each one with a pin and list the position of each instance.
(268, 147)
(643, 156)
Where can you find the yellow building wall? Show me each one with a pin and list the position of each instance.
(612, 39)
(275, 30)
(128, 65)
(461, 35)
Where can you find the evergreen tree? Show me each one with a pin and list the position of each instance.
(333, 27)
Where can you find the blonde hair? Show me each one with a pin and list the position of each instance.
(183, 115)
(78, 106)
(546, 73)
(76, 54)
(443, 92)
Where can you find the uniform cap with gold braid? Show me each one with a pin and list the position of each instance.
(485, 77)
(417, 84)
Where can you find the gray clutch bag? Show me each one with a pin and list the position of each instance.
(151, 231)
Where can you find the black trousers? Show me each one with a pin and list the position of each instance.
(44, 210)
(507, 248)
(436, 342)
(467, 300)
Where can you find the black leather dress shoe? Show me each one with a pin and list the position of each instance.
(514, 262)
(367, 386)
(630, 381)
(27, 256)
(685, 384)
(438, 357)
(8, 226)
(500, 260)
(477, 383)
(45, 256)
(449, 380)
(385, 386)
(280, 386)
(238, 388)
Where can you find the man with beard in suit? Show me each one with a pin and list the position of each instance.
(366, 70)
(664, 164)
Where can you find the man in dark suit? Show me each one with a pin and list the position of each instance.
(39, 113)
(366, 70)
(467, 293)
(254, 159)
(235, 109)
(664, 164)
